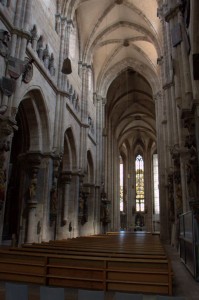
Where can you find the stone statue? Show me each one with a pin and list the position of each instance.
(51, 66)
(46, 56)
(32, 189)
(40, 47)
(191, 174)
(4, 43)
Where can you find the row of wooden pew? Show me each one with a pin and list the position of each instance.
(112, 262)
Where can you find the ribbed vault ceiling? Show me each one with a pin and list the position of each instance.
(121, 40)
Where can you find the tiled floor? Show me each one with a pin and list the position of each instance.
(184, 284)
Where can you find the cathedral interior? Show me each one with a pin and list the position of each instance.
(99, 121)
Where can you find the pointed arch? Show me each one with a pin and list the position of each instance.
(139, 67)
(35, 121)
(70, 152)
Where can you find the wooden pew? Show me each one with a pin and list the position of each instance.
(107, 266)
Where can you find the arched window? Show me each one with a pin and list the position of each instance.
(139, 171)
(121, 185)
(156, 185)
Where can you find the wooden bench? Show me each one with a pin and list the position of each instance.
(106, 265)
(108, 243)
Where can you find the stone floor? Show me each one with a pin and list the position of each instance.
(184, 284)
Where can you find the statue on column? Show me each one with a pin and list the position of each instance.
(83, 207)
(53, 205)
(175, 153)
(4, 43)
(105, 210)
(191, 162)
(191, 175)
(54, 190)
(171, 197)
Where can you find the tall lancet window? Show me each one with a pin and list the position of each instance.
(121, 185)
(139, 170)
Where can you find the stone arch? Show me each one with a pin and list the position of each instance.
(33, 111)
(139, 67)
(29, 142)
(70, 153)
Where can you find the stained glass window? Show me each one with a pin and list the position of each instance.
(156, 184)
(121, 187)
(139, 170)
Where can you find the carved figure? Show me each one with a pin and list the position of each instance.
(4, 42)
(40, 47)
(191, 174)
(53, 202)
(81, 204)
(32, 189)
(51, 66)
(46, 57)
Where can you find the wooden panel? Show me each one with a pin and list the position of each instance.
(79, 273)
(76, 262)
(21, 269)
(90, 285)
(137, 287)
(138, 277)
(22, 278)
(138, 265)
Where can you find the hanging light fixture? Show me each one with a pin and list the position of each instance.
(66, 67)
(119, 1)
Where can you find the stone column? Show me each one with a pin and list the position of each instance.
(6, 131)
(84, 120)
(66, 178)
(149, 200)
(162, 148)
(33, 161)
(73, 206)
(115, 187)
(96, 210)
(100, 158)
(190, 162)
(89, 190)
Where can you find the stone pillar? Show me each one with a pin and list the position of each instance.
(73, 206)
(115, 187)
(89, 191)
(100, 158)
(84, 120)
(61, 77)
(96, 220)
(66, 178)
(33, 161)
(162, 149)
(191, 159)
(6, 130)
(54, 195)
(148, 180)
(105, 214)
